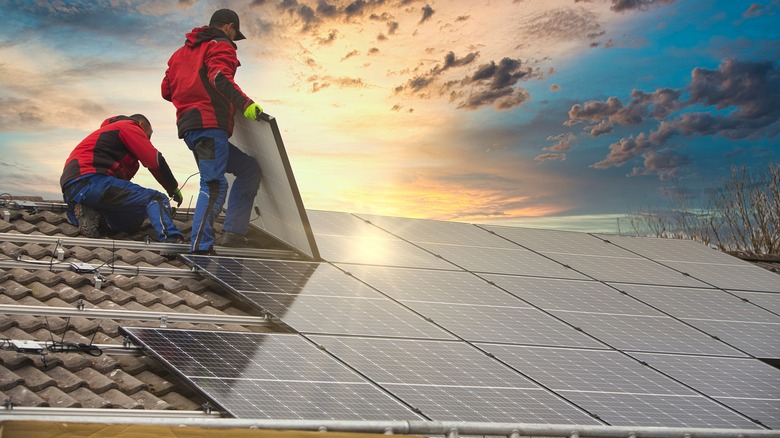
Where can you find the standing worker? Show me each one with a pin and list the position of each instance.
(96, 181)
(199, 82)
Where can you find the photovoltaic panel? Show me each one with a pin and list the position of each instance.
(577, 369)
(573, 295)
(344, 249)
(694, 303)
(433, 286)
(661, 334)
(276, 376)
(517, 261)
(746, 385)
(336, 223)
(759, 339)
(680, 250)
(463, 403)
(563, 242)
(648, 410)
(616, 388)
(315, 298)
(625, 270)
(517, 325)
(451, 381)
(344, 238)
(714, 267)
(746, 277)
(768, 301)
(442, 232)
(278, 201)
(734, 377)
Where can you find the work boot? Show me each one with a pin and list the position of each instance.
(209, 252)
(235, 240)
(89, 220)
(176, 238)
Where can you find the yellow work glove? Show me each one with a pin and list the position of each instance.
(177, 197)
(253, 111)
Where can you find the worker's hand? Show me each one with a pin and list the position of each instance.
(253, 111)
(177, 197)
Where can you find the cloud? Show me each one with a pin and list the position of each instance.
(563, 143)
(490, 84)
(546, 157)
(562, 24)
(629, 5)
(741, 99)
(427, 13)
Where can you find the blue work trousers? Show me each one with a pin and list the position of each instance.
(216, 156)
(123, 204)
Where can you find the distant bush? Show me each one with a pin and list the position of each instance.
(742, 214)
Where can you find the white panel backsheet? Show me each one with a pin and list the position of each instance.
(282, 214)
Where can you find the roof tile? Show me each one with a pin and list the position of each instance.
(184, 401)
(74, 362)
(67, 293)
(14, 291)
(55, 397)
(9, 379)
(21, 396)
(150, 401)
(13, 360)
(89, 399)
(41, 291)
(127, 383)
(35, 379)
(155, 383)
(104, 363)
(66, 380)
(97, 382)
(121, 400)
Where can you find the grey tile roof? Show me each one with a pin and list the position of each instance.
(115, 379)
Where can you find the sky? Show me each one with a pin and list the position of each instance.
(565, 114)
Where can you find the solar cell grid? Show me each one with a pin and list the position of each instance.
(345, 224)
(564, 242)
(746, 277)
(585, 370)
(759, 339)
(768, 301)
(647, 333)
(449, 403)
(515, 325)
(303, 400)
(699, 303)
(421, 362)
(557, 294)
(435, 286)
(625, 270)
(353, 316)
(384, 252)
(681, 250)
(622, 409)
(258, 275)
(281, 375)
(515, 260)
(432, 231)
(766, 411)
(720, 376)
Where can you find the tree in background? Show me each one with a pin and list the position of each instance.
(743, 214)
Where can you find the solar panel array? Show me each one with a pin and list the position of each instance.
(417, 319)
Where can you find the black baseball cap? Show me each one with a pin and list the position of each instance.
(227, 16)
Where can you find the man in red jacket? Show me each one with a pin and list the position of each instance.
(96, 181)
(199, 82)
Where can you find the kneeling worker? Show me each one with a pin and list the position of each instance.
(96, 182)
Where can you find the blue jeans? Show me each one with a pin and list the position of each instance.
(122, 204)
(216, 156)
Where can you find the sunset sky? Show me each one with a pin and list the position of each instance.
(545, 113)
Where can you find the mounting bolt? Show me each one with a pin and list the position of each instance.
(163, 321)
(206, 408)
(9, 404)
(80, 304)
